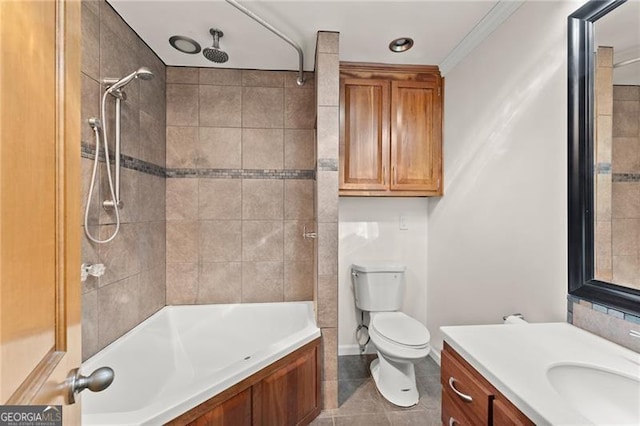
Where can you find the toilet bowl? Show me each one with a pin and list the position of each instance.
(399, 339)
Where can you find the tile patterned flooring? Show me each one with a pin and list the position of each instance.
(360, 403)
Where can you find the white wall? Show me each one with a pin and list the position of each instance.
(498, 237)
(369, 233)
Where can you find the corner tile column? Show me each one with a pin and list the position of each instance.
(327, 125)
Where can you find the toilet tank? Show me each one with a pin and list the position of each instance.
(379, 287)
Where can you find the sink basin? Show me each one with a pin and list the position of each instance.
(602, 396)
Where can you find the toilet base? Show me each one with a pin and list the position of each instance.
(396, 381)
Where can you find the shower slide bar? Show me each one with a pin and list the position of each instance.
(250, 14)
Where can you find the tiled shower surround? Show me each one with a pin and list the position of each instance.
(133, 286)
(240, 186)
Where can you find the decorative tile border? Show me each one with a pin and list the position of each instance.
(87, 151)
(599, 308)
(241, 174)
(603, 168)
(626, 177)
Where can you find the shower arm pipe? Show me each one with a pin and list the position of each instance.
(250, 14)
(627, 62)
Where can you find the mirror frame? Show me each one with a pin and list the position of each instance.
(581, 69)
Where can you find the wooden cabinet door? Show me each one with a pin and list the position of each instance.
(364, 134)
(39, 201)
(284, 397)
(416, 136)
(236, 411)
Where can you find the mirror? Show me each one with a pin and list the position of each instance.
(604, 154)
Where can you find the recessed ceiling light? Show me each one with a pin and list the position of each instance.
(185, 44)
(401, 44)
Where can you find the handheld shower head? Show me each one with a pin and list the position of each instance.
(142, 73)
(214, 53)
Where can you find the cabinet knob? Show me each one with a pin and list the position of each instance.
(464, 397)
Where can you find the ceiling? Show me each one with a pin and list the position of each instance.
(366, 28)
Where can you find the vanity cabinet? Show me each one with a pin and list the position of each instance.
(390, 130)
(469, 399)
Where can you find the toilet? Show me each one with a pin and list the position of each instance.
(399, 339)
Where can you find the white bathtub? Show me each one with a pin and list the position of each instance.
(184, 355)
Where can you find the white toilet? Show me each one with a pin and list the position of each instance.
(399, 339)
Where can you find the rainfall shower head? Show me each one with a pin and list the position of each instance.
(214, 53)
(142, 73)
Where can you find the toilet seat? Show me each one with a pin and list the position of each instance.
(400, 329)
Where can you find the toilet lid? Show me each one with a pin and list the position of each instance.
(400, 328)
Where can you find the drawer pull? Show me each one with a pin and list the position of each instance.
(452, 421)
(464, 397)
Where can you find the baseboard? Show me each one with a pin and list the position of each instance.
(435, 355)
(355, 350)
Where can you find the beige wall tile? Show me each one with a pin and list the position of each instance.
(603, 250)
(329, 394)
(327, 248)
(298, 280)
(94, 210)
(328, 78)
(152, 140)
(604, 57)
(626, 155)
(182, 145)
(603, 197)
(262, 148)
(90, 41)
(220, 76)
(328, 42)
(625, 119)
(327, 187)
(604, 91)
(262, 241)
(220, 199)
(262, 199)
(182, 241)
(90, 91)
(152, 245)
(89, 256)
(299, 149)
(182, 75)
(118, 309)
(182, 105)
(295, 246)
(89, 324)
(259, 78)
(328, 137)
(625, 200)
(262, 107)
(299, 108)
(327, 301)
(298, 199)
(220, 241)
(607, 326)
(152, 291)
(220, 282)
(330, 353)
(182, 283)
(262, 282)
(121, 256)
(115, 61)
(220, 147)
(220, 106)
(151, 195)
(626, 270)
(625, 235)
(182, 199)
(626, 93)
(604, 139)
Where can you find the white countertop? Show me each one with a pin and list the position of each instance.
(515, 358)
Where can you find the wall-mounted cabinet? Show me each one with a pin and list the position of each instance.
(390, 130)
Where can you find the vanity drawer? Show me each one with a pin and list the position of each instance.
(452, 415)
(465, 386)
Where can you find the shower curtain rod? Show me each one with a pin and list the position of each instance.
(627, 62)
(250, 14)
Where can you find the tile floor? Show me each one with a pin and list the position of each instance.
(360, 403)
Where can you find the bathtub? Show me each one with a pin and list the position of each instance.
(183, 355)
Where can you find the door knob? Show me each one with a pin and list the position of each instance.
(97, 381)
